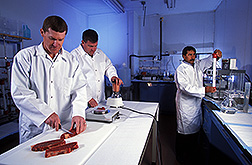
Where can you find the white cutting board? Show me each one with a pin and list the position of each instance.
(88, 141)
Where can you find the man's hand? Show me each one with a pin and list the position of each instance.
(117, 80)
(218, 53)
(53, 121)
(210, 89)
(80, 124)
(92, 103)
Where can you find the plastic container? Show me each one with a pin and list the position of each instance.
(124, 74)
(26, 31)
(246, 97)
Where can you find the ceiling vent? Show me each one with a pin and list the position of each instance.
(115, 5)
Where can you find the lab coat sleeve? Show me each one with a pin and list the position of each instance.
(88, 91)
(79, 94)
(183, 83)
(206, 63)
(77, 53)
(26, 99)
(110, 70)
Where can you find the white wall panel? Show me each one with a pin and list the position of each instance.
(233, 32)
(33, 13)
(112, 30)
(178, 31)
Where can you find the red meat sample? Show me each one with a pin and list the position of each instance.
(102, 108)
(47, 144)
(63, 149)
(68, 135)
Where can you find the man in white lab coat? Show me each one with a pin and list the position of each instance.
(190, 91)
(47, 85)
(94, 65)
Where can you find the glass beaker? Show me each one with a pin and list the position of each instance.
(228, 102)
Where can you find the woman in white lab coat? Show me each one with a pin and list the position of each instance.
(190, 91)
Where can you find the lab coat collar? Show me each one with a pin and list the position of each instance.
(86, 54)
(41, 52)
(81, 49)
(95, 53)
(188, 63)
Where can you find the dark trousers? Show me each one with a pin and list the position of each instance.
(188, 149)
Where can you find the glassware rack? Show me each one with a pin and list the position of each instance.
(149, 68)
(8, 111)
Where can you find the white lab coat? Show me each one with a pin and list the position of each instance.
(94, 68)
(41, 86)
(190, 91)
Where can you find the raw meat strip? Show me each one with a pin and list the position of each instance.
(47, 144)
(64, 149)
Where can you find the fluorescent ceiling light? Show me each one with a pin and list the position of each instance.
(115, 5)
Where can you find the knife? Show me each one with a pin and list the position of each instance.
(65, 130)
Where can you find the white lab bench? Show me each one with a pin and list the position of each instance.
(121, 142)
(230, 133)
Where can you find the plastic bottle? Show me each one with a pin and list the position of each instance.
(26, 31)
(124, 74)
(246, 97)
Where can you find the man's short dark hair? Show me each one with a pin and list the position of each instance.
(56, 23)
(188, 48)
(90, 35)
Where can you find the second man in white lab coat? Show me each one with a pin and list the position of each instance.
(94, 65)
(190, 91)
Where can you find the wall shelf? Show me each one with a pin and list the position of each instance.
(13, 37)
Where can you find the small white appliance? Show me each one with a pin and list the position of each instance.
(108, 115)
(116, 99)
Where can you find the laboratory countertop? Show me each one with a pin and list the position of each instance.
(239, 124)
(121, 142)
(151, 81)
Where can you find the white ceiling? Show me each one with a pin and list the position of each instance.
(153, 7)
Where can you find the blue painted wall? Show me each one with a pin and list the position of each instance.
(233, 32)
(228, 28)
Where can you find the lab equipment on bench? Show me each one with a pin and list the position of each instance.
(214, 69)
(102, 114)
(109, 112)
(246, 97)
(226, 81)
(229, 105)
(116, 99)
(229, 63)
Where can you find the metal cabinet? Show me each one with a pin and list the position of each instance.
(161, 92)
(149, 92)
(207, 121)
(221, 138)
